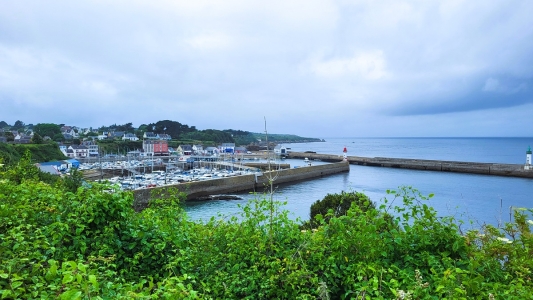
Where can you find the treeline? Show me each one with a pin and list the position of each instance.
(62, 240)
(176, 130)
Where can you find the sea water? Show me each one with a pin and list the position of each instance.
(469, 197)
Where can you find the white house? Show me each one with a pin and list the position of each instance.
(280, 150)
(198, 149)
(184, 150)
(130, 137)
(93, 150)
(227, 147)
(150, 136)
(211, 151)
(79, 151)
(103, 136)
(163, 136)
(69, 130)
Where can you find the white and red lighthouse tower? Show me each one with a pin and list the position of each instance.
(345, 158)
(528, 165)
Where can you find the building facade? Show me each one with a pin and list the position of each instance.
(155, 147)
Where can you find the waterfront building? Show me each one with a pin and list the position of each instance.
(78, 151)
(227, 147)
(198, 149)
(184, 150)
(211, 150)
(280, 150)
(155, 147)
(240, 150)
(93, 150)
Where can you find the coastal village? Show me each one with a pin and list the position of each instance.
(155, 163)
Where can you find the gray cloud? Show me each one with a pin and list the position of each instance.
(315, 68)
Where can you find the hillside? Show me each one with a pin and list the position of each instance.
(11, 153)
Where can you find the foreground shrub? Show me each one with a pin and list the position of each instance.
(89, 243)
(339, 204)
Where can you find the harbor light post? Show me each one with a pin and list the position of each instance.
(528, 165)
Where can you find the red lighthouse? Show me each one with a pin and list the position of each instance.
(345, 158)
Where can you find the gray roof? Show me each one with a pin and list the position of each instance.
(48, 169)
(79, 147)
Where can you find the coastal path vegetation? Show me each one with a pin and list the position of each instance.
(65, 239)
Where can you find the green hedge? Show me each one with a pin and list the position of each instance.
(89, 243)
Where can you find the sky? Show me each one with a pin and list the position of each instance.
(308, 67)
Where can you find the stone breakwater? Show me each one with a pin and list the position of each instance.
(252, 182)
(512, 170)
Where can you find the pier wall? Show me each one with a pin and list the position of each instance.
(241, 183)
(303, 173)
(513, 170)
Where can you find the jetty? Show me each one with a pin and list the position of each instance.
(497, 169)
(256, 182)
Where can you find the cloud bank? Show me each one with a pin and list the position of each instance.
(315, 68)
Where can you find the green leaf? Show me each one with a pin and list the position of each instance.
(82, 267)
(16, 284)
(92, 280)
(71, 295)
(4, 275)
(67, 278)
(5, 293)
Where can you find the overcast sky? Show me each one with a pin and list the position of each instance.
(312, 68)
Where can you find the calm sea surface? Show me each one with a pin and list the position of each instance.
(481, 198)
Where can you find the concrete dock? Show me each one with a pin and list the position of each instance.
(251, 182)
(512, 170)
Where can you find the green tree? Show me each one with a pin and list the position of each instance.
(36, 139)
(18, 125)
(9, 136)
(172, 128)
(47, 129)
(336, 205)
(58, 137)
